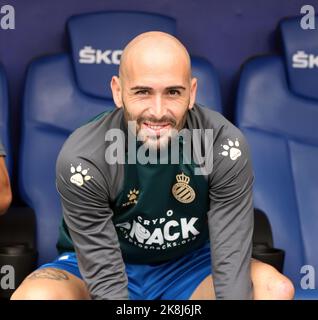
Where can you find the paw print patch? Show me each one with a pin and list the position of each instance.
(80, 175)
(231, 149)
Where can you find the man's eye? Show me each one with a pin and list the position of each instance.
(142, 92)
(174, 92)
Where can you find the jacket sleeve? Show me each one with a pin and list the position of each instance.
(84, 195)
(231, 216)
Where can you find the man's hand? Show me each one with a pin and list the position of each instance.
(5, 188)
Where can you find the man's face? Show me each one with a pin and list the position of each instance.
(156, 93)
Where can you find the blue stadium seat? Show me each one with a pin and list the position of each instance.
(277, 109)
(4, 117)
(208, 92)
(64, 91)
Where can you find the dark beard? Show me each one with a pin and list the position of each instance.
(166, 119)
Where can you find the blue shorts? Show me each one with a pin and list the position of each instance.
(173, 280)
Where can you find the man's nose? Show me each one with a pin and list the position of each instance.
(157, 109)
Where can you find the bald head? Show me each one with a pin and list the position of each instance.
(154, 50)
(155, 87)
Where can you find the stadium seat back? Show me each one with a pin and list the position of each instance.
(277, 109)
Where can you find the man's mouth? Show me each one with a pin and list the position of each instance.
(156, 128)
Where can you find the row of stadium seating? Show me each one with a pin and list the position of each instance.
(276, 108)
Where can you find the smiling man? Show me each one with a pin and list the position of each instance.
(145, 231)
(140, 80)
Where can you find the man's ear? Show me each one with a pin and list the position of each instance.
(193, 92)
(116, 91)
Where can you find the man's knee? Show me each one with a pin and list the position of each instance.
(281, 288)
(269, 283)
(38, 291)
(50, 284)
